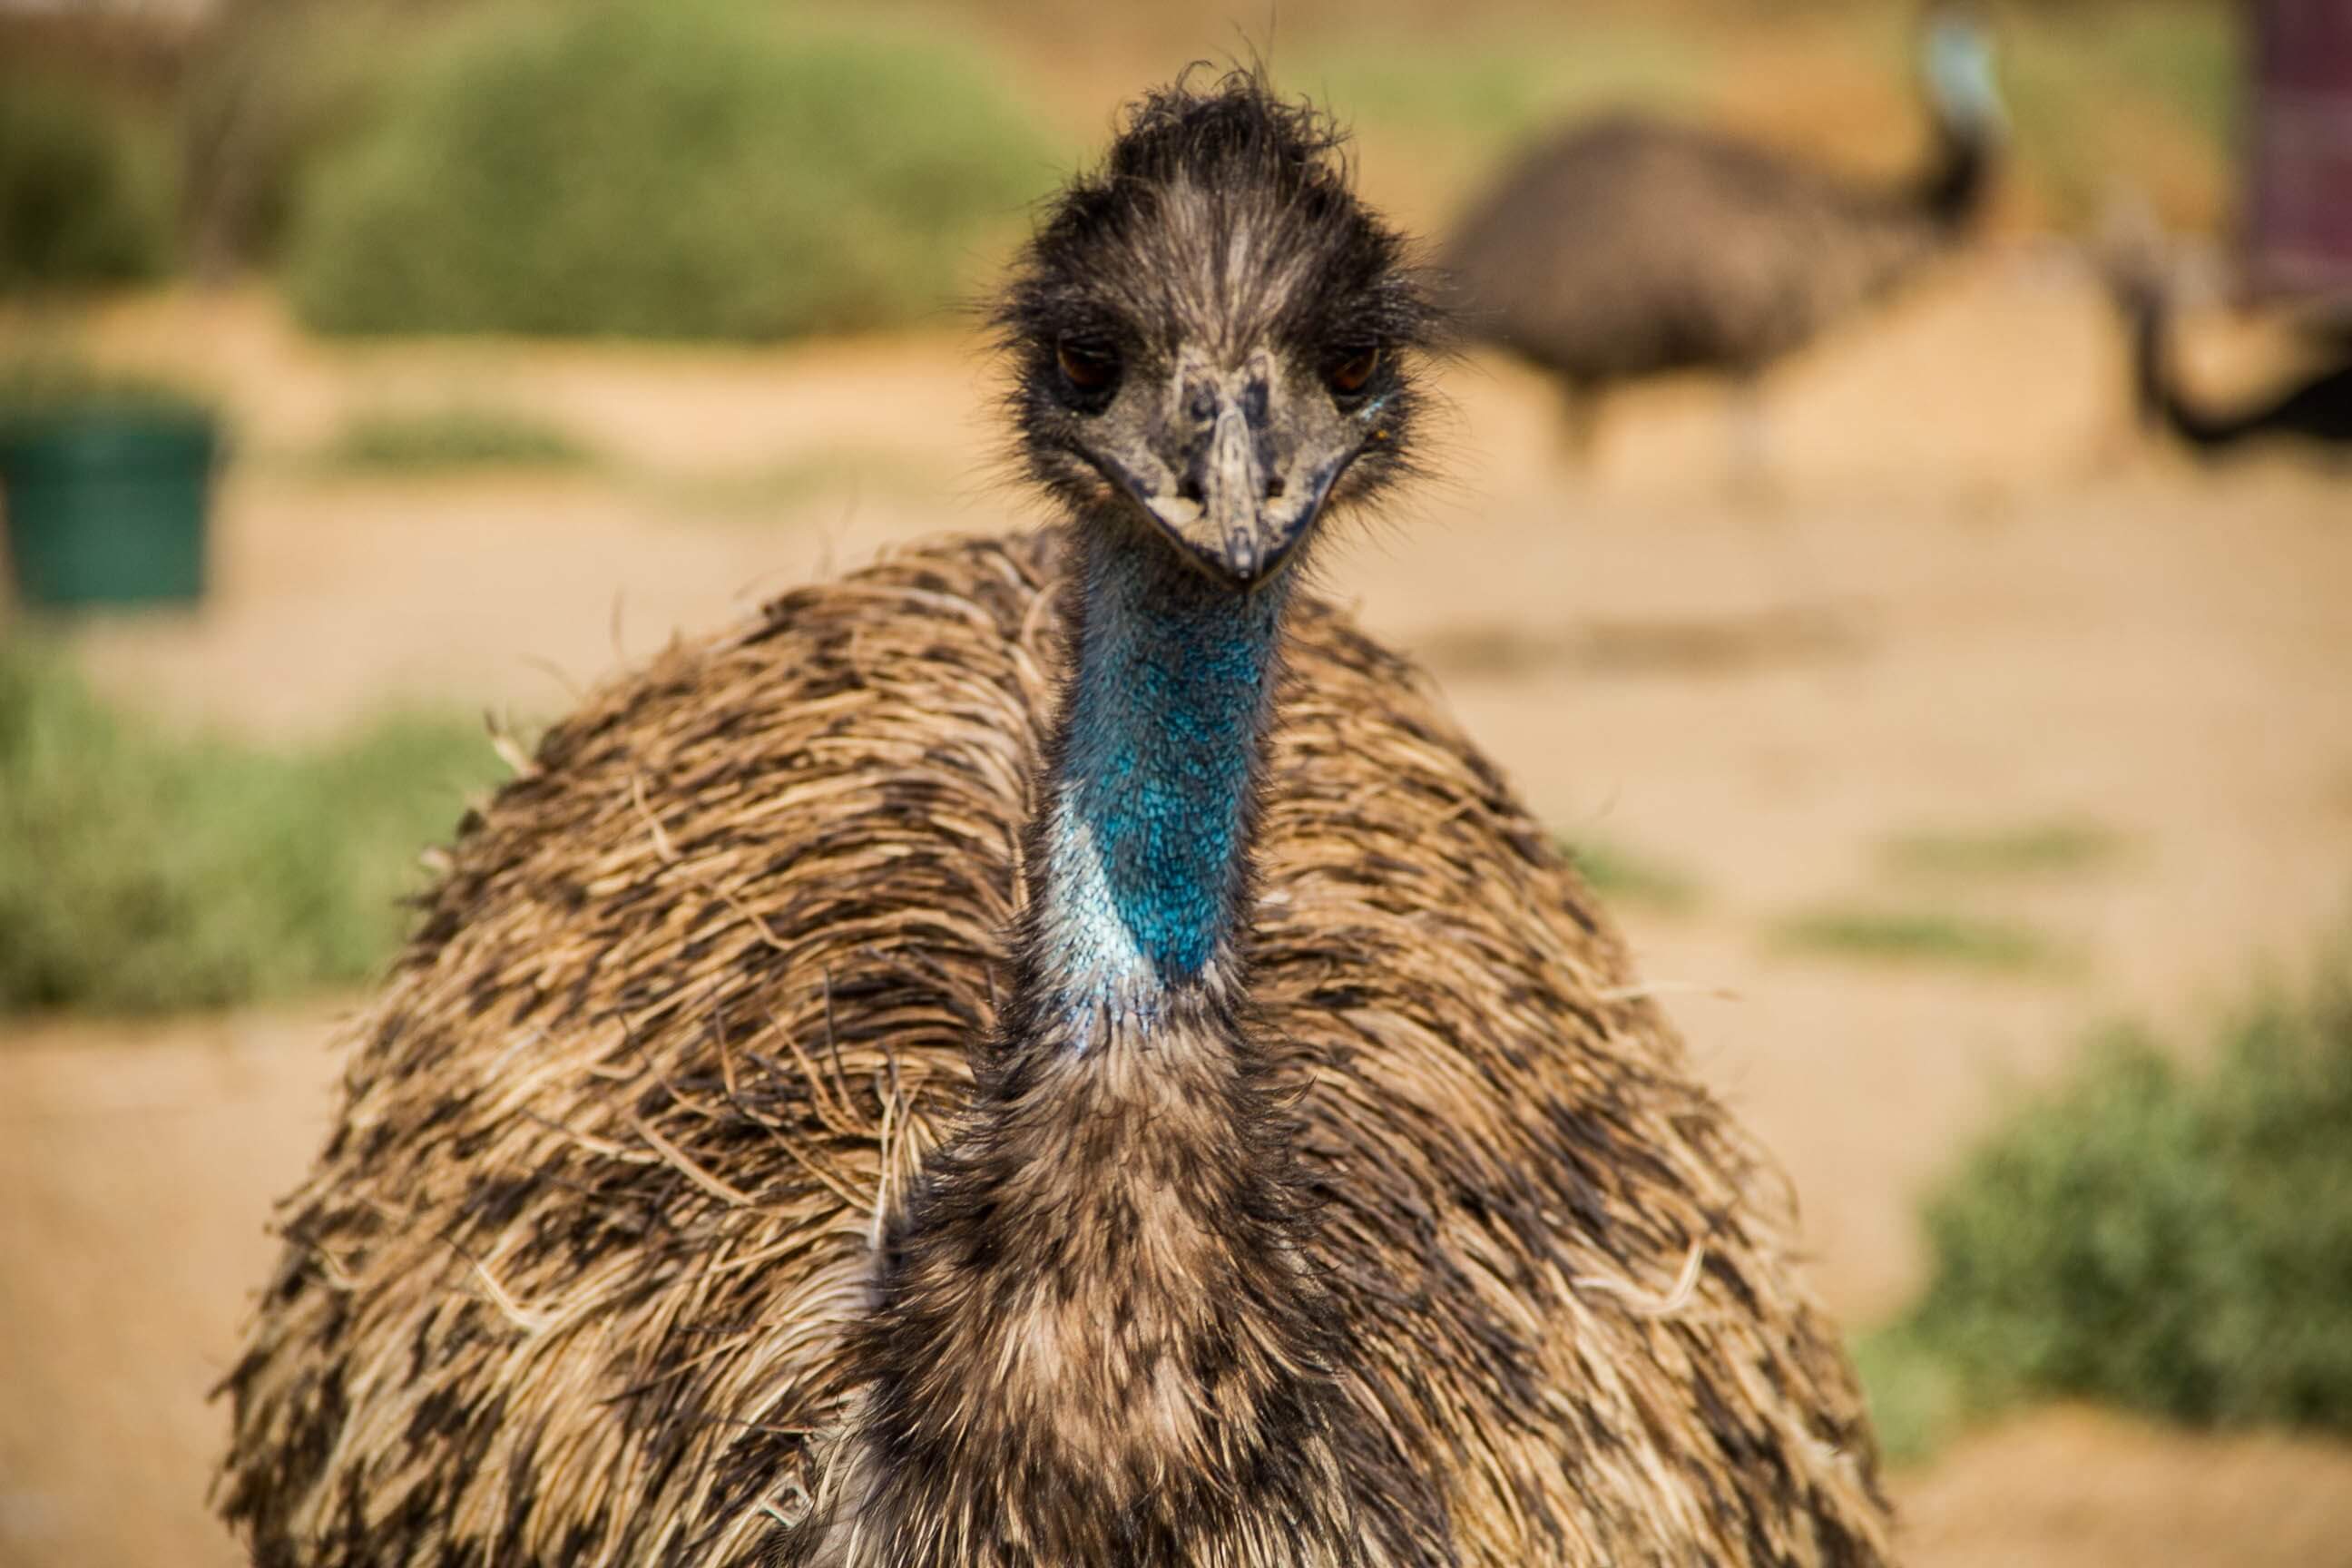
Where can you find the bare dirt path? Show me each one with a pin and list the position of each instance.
(1968, 607)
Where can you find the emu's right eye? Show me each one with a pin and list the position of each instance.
(1352, 371)
(1089, 368)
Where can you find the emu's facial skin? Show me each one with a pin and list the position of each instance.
(1233, 461)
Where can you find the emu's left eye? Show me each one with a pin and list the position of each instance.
(1090, 372)
(1353, 370)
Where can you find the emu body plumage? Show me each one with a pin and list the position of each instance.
(1628, 247)
(1049, 1052)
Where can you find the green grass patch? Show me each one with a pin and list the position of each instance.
(667, 169)
(2172, 1240)
(1617, 872)
(437, 440)
(144, 872)
(2053, 847)
(1919, 936)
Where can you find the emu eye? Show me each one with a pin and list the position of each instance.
(1353, 370)
(1089, 368)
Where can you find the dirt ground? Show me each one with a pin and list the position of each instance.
(1970, 601)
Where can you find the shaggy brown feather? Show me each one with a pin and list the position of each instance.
(576, 1277)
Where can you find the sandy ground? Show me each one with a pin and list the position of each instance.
(136, 1165)
(1970, 601)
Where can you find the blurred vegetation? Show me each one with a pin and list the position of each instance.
(1452, 106)
(1917, 1403)
(2053, 846)
(737, 168)
(2172, 1240)
(2101, 94)
(271, 87)
(456, 437)
(38, 387)
(664, 168)
(1618, 872)
(141, 872)
(83, 199)
(2142, 95)
(1922, 936)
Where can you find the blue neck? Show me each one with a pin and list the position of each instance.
(1146, 843)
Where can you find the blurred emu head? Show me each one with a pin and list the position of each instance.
(1213, 339)
(1956, 62)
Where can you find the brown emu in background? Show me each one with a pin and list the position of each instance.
(1052, 1051)
(1627, 247)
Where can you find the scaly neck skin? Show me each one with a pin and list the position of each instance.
(1094, 1339)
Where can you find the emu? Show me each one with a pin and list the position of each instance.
(1053, 1050)
(1627, 247)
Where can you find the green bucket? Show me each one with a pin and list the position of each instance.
(107, 506)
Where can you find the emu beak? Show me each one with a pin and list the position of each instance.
(1233, 514)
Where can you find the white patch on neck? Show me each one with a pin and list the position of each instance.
(1105, 977)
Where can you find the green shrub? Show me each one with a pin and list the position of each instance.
(664, 168)
(141, 873)
(2172, 1241)
(270, 86)
(80, 202)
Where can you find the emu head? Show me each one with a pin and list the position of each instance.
(1213, 341)
(1956, 65)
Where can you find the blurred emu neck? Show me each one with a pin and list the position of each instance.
(1957, 181)
(1150, 798)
